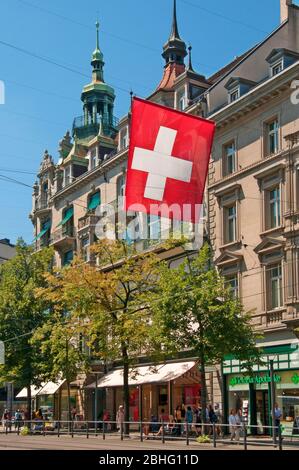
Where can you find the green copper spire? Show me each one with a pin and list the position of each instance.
(97, 59)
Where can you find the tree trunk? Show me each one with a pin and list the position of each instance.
(29, 404)
(203, 385)
(126, 391)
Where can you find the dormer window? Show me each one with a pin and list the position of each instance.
(237, 87)
(234, 95)
(277, 68)
(123, 138)
(93, 158)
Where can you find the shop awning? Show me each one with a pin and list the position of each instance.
(94, 201)
(67, 216)
(146, 374)
(34, 392)
(48, 388)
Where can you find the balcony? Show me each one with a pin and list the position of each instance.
(87, 222)
(42, 243)
(41, 205)
(83, 129)
(63, 238)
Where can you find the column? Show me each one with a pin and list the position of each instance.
(85, 115)
(94, 113)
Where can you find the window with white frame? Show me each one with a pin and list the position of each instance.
(229, 156)
(232, 282)
(276, 68)
(273, 207)
(274, 286)
(234, 95)
(154, 227)
(123, 138)
(230, 223)
(272, 137)
(85, 244)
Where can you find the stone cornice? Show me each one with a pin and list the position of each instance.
(91, 175)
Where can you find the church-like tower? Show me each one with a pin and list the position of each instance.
(98, 101)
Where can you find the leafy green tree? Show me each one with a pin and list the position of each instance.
(195, 310)
(109, 303)
(21, 313)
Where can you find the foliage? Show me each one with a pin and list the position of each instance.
(25, 431)
(204, 439)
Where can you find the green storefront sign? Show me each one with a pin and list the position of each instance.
(256, 379)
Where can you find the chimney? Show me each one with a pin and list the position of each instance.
(284, 9)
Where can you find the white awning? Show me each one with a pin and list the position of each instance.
(145, 374)
(48, 388)
(23, 392)
(51, 387)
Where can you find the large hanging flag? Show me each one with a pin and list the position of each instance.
(168, 161)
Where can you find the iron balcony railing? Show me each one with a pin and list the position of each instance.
(91, 125)
(41, 203)
(88, 221)
(62, 233)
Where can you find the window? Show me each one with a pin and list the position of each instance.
(120, 187)
(272, 137)
(154, 227)
(85, 243)
(181, 104)
(230, 223)
(274, 285)
(68, 257)
(234, 95)
(232, 282)
(123, 139)
(229, 164)
(273, 212)
(94, 201)
(276, 69)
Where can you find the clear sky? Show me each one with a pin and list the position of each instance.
(42, 99)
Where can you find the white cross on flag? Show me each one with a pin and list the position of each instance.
(168, 161)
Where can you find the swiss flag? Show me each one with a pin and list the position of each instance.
(168, 161)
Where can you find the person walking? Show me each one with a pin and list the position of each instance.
(277, 415)
(234, 423)
(120, 417)
(6, 420)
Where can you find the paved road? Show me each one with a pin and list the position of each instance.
(14, 442)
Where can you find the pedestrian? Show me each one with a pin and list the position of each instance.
(212, 418)
(18, 419)
(74, 413)
(6, 420)
(120, 417)
(234, 423)
(189, 418)
(277, 415)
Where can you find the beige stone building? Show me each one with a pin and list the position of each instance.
(253, 209)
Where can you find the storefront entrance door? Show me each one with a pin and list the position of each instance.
(262, 411)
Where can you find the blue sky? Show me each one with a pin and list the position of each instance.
(42, 99)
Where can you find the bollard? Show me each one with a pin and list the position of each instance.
(104, 437)
(163, 432)
(141, 432)
(279, 437)
(87, 430)
(214, 435)
(187, 433)
(245, 436)
(58, 428)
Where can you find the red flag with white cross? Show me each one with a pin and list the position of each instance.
(168, 161)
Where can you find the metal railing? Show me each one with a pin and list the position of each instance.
(211, 434)
(63, 232)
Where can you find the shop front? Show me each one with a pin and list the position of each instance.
(154, 390)
(251, 393)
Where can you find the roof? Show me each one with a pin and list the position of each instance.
(171, 72)
(214, 78)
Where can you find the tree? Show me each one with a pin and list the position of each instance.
(195, 310)
(21, 313)
(109, 303)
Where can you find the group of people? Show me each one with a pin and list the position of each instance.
(19, 417)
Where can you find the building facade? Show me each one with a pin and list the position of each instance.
(7, 250)
(253, 210)
(252, 207)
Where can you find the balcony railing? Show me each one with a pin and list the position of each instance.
(41, 204)
(83, 127)
(63, 233)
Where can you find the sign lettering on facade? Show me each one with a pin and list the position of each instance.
(256, 379)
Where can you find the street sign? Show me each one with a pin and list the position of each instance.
(2, 353)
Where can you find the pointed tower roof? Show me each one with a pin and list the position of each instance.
(174, 29)
(174, 53)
